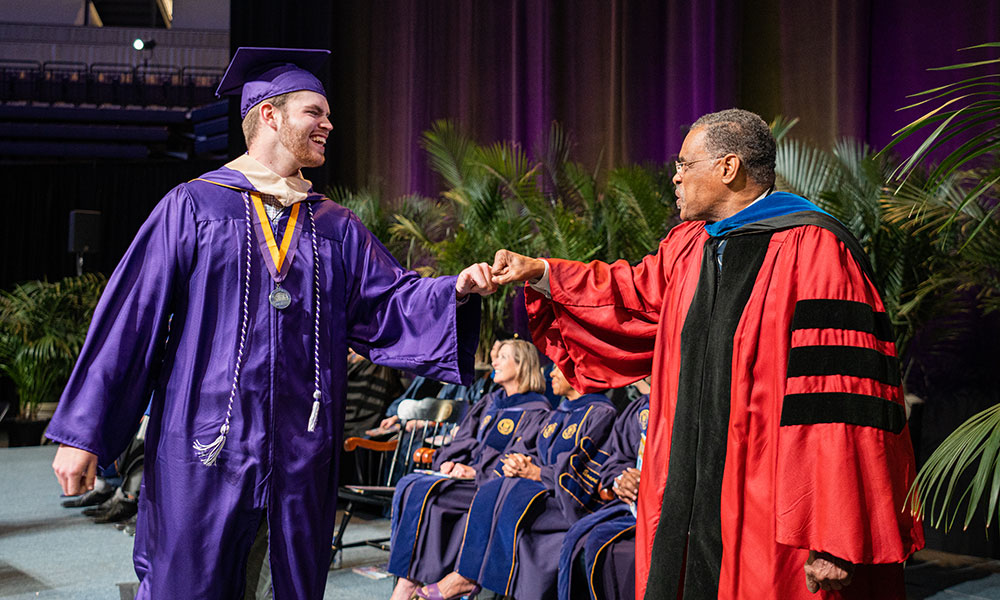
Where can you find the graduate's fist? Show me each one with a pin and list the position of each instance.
(827, 572)
(475, 279)
(75, 469)
(511, 267)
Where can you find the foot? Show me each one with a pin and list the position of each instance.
(405, 588)
(90, 498)
(452, 586)
(119, 511)
(100, 509)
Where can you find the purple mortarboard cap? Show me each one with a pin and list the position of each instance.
(261, 73)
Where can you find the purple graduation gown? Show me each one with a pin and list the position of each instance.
(196, 522)
(516, 526)
(429, 512)
(605, 539)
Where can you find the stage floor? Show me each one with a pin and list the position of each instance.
(51, 552)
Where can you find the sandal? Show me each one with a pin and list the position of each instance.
(434, 593)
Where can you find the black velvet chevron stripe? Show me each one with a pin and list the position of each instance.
(842, 407)
(843, 360)
(842, 314)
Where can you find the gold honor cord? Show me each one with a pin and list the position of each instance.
(276, 256)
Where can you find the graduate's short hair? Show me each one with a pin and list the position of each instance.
(529, 368)
(745, 134)
(251, 122)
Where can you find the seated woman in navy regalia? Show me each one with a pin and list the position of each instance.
(429, 510)
(598, 554)
(516, 524)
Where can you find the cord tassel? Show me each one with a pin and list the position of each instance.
(314, 415)
(208, 453)
(317, 395)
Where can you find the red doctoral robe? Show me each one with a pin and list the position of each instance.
(780, 373)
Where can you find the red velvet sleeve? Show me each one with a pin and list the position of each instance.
(600, 325)
(844, 457)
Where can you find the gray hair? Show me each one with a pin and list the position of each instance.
(745, 134)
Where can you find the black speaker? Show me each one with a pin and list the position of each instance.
(84, 231)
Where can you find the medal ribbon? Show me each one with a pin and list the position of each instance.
(277, 258)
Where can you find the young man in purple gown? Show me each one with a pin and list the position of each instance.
(268, 284)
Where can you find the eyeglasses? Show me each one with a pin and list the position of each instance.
(682, 166)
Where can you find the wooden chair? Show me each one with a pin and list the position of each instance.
(379, 465)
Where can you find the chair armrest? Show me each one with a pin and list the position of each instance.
(607, 494)
(355, 442)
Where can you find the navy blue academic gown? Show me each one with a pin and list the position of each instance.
(604, 542)
(516, 526)
(429, 512)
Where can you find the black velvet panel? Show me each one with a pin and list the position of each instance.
(843, 360)
(842, 407)
(688, 540)
(820, 220)
(842, 314)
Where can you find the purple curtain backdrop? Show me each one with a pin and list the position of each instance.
(624, 77)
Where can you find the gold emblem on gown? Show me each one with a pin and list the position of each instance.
(505, 426)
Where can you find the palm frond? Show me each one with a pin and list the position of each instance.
(933, 494)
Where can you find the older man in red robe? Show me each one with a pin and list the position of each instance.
(778, 455)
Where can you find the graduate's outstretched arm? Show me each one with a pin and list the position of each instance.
(827, 572)
(475, 279)
(511, 267)
(75, 469)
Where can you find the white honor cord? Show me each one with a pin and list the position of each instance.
(317, 394)
(209, 453)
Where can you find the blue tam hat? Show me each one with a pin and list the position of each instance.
(261, 73)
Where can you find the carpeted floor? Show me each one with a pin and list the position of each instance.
(51, 552)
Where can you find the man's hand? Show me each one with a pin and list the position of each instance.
(626, 485)
(75, 469)
(475, 279)
(827, 572)
(519, 465)
(460, 471)
(510, 267)
(387, 426)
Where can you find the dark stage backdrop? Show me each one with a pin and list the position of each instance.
(625, 77)
(40, 197)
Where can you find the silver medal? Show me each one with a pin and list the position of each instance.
(279, 298)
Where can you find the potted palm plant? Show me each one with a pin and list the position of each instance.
(960, 131)
(42, 328)
(498, 196)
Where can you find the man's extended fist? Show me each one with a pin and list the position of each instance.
(475, 279)
(511, 267)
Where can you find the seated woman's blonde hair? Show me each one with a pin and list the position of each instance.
(529, 369)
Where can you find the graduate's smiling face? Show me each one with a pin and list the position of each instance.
(697, 183)
(303, 127)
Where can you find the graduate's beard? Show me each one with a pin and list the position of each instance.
(296, 141)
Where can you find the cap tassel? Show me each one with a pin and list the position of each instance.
(314, 415)
(208, 453)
